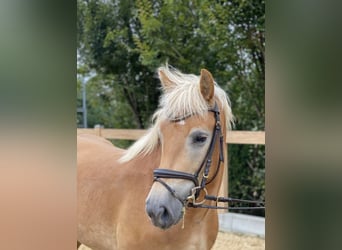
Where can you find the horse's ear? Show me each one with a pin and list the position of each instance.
(207, 85)
(166, 82)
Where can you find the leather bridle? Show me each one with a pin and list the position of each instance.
(190, 201)
(161, 173)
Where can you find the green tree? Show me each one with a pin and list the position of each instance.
(105, 42)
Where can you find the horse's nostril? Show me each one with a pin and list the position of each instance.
(160, 216)
(164, 214)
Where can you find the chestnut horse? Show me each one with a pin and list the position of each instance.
(143, 197)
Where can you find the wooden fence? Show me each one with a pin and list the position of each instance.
(233, 137)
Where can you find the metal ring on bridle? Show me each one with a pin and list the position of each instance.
(193, 195)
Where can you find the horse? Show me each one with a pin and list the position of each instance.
(145, 197)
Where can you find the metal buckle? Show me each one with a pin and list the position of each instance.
(193, 195)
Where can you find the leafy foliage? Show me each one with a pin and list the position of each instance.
(125, 41)
(105, 44)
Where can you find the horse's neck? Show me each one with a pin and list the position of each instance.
(149, 161)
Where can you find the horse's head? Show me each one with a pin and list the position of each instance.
(191, 137)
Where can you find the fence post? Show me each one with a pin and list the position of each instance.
(97, 129)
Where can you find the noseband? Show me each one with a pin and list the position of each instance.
(161, 173)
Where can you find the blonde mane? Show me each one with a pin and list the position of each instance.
(184, 98)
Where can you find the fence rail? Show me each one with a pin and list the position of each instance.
(233, 137)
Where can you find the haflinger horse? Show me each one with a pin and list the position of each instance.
(144, 197)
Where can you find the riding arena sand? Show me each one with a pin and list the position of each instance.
(230, 241)
(233, 241)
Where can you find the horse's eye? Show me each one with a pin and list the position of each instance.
(198, 139)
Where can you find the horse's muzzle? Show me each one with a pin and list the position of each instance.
(164, 212)
(160, 217)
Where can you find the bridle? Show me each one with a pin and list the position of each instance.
(204, 167)
(206, 163)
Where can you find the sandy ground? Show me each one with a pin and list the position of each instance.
(230, 241)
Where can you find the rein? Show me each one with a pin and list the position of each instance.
(226, 200)
(206, 164)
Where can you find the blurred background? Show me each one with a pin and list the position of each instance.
(38, 54)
